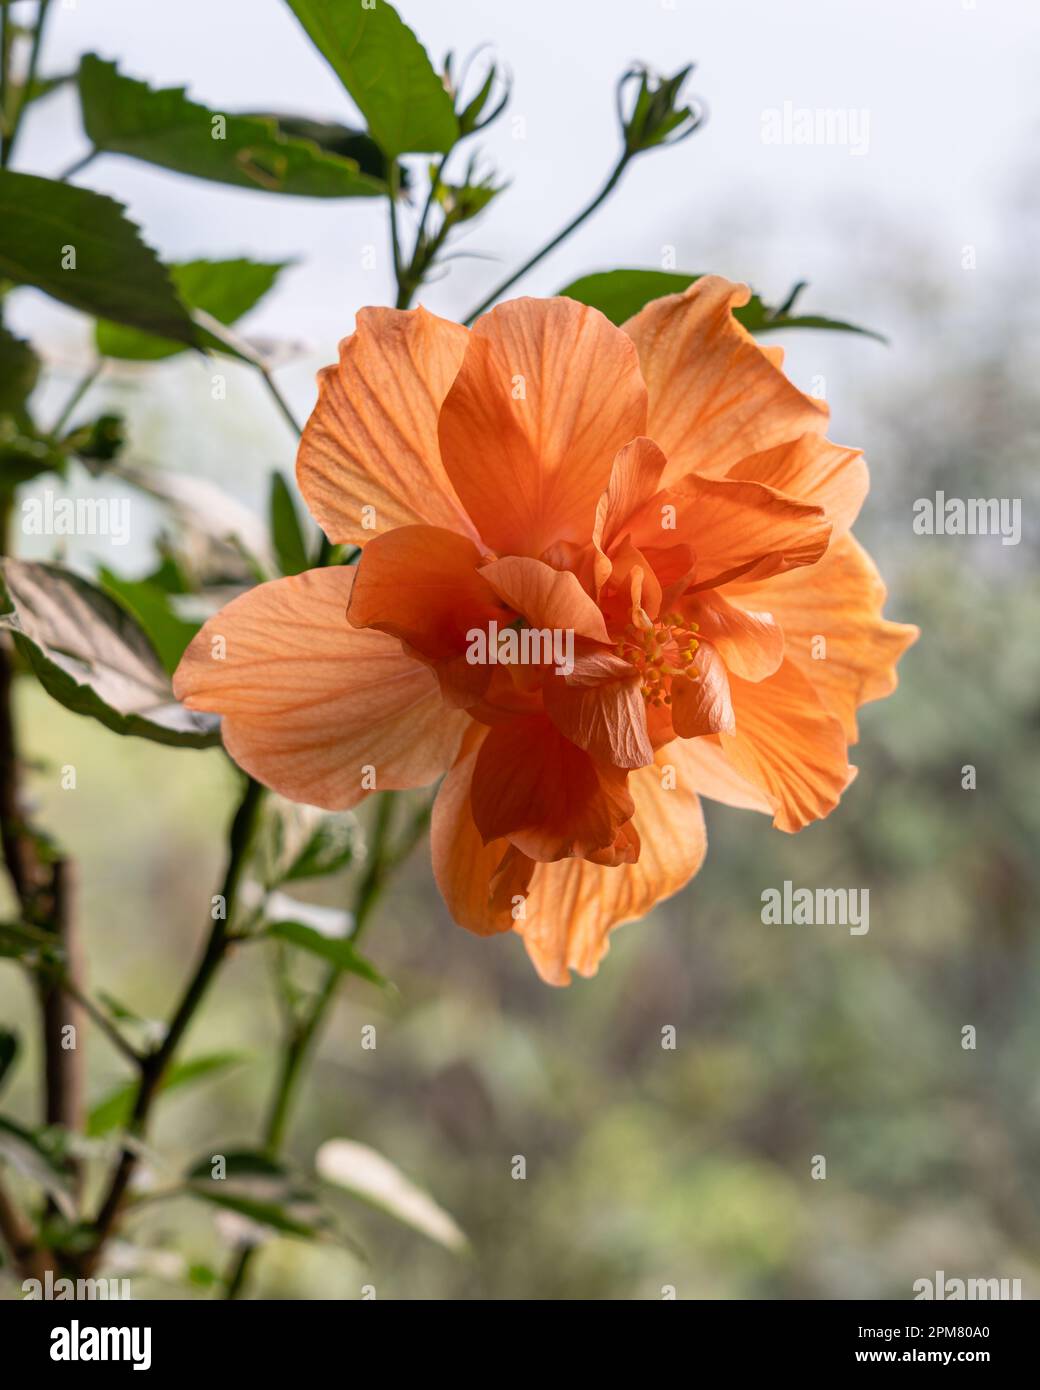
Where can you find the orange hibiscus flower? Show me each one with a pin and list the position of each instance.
(661, 497)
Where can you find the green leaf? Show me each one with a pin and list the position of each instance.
(622, 293)
(97, 441)
(385, 69)
(224, 289)
(366, 1173)
(24, 454)
(8, 1052)
(161, 126)
(113, 1111)
(168, 633)
(19, 939)
(258, 1187)
(335, 138)
(335, 949)
(27, 1151)
(24, 457)
(248, 1164)
(19, 370)
(116, 275)
(263, 1213)
(93, 658)
(299, 842)
(287, 535)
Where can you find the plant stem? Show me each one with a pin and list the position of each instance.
(301, 1038)
(102, 1020)
(153, 1066)
(7, 147)
(19, 1238)
(64, 1066)
(79, 391)
(78, 165)
(562, 236)
(5, 56)
(423, 254)
(279, 399)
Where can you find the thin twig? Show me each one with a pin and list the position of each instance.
(155, 1064)
(102, 1020)
(78, 392)
(20, 1240)
(78, 165)
(562, 236)
(64, 1057)
(30, 77)
(302, 1036)
(279, 399)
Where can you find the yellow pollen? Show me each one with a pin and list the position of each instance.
(664, 651)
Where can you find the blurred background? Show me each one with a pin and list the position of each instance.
(645, 1167)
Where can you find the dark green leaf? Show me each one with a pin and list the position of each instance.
(116, 275)
(8, 1052)
(93, 658)
(335, 138)
(290, 546)
(260, 1188)
(224, 289)
(271, 1214)
(168, 633)
(385, 69)
(160, 125)
(24, 454)
(245, 1164)
(622, 293)
(336, 949)
(97, 441)
(113, 1112)
(19, 369)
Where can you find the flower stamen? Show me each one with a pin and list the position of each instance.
(661, 653)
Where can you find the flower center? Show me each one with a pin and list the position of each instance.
(660, 651)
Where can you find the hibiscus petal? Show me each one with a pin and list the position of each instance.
(635, 477)
(712, 775)
(547, 393)
(310, 703)
(371, 440)
(547, 598)
(607, 719)
(714, 395)
(735, 529)
(787, 744)
(423, 585)
(550, 798)
(839, 601)
(751, 644)
(814, 470)
(573, 905)
(703, 706)
(465, 868)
